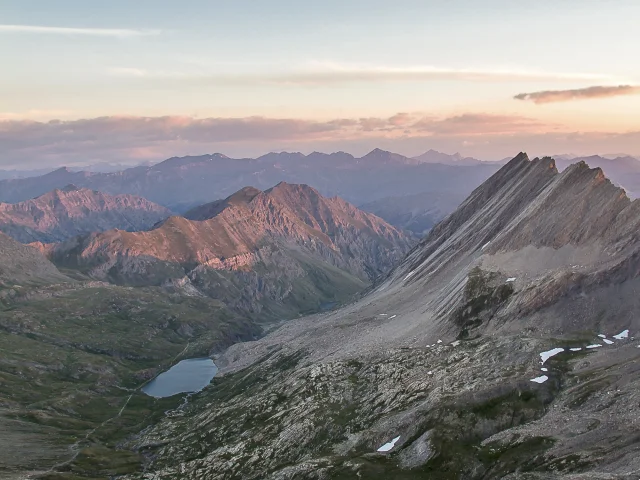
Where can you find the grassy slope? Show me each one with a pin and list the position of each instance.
(71, 359)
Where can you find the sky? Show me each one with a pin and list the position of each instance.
(129, 82)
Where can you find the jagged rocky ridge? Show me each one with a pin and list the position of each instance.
(443, 353)
(65, 213)
(286, 245)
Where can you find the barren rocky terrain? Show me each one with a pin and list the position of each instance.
(505, 345)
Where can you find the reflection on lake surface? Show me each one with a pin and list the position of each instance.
(187, 376)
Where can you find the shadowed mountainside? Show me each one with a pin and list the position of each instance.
(416, 213)
(22, 264)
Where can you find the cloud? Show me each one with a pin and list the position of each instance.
(101, 32)
(471, 124)
(552, 96)
(25, 115)
(400, 119)
(127, 139)
(331, 73)
(130, 138)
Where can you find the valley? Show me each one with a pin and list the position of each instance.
(501, 345)
(83, 354)
(449, 353)
(277, 240)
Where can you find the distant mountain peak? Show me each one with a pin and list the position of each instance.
(63, 213)
(292, 188)
(59, 171)
(434, 156)
(378, 152)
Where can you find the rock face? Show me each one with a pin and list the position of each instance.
(284, 245)
(481, 355)
(62, 214)
(623, 170)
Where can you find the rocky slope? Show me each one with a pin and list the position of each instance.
(71, 211)
(503, 346)
(21, 264)
(282, 248)
(622, 170)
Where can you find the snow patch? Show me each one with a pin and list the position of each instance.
(607, 341)
(384, 314)
(595, 345)
(456, 343)
(621, 335)
(485, 246)
(392, 316)
(541, 379)
(575, 349)
(544, 369)
(602, 335)
(439, 341)
(511, 279)
(544, 356)
(388, 446)
(409, 274)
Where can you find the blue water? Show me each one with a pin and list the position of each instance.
(187, 376)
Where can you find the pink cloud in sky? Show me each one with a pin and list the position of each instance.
(552, 96)
(135, 139)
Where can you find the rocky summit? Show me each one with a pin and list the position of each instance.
(504, 345)
(70, 211)
(274, 252)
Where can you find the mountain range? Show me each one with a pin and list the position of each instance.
(70, 211)
(285, 247)
(416, 213)
(502, 346)
(184, 182)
